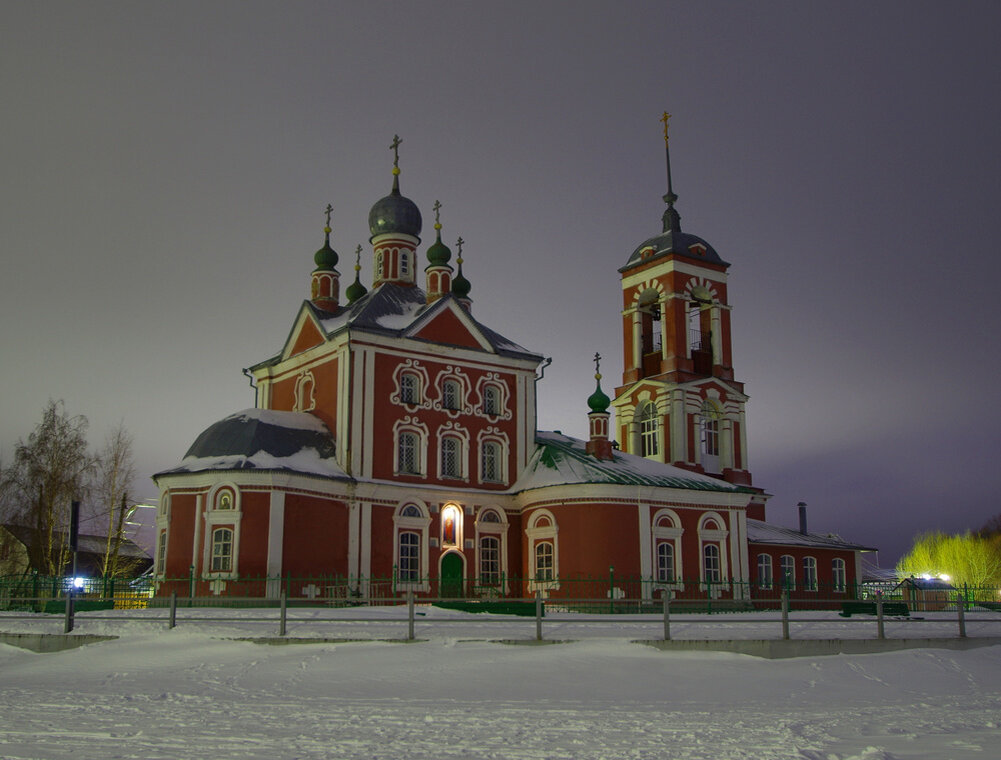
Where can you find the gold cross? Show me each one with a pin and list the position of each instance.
(664, 119)
(329, 210)
(437, 208)
(597, 363)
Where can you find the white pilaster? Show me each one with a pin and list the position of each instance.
(276, 540)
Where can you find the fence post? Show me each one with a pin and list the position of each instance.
(785, 613)
(961, 606)
(880, 631)
(68, 623)
(410, 614)
(667, 616)
(173, 610)
(611, 589)
(281, 625)
(191, 585)
(538, 614)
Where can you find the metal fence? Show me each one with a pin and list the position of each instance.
(622, 603)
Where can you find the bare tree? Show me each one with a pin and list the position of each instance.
(113, 481)
(49, 470)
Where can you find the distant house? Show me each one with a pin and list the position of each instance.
(14, 540)
(927, 594)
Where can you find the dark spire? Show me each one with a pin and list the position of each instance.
(326, 257)
(671, 218)
(356, 290)
(460, 285)
(395, 145)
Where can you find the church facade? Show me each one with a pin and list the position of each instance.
(393, 448)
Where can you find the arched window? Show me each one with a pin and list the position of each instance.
(408, 453)
(222, 550)
(490, 461)
(410, 511)
(304, 393)
(409, 563)
(489, 516)
(404, 264)
(649, 430)
(490, 560)
(491, 400)
(451, 526)
(765, 571)
(451, 457)
(838, 576)
(410, 385)
(161, 553)
(711, 564)
(788, 565)
(650, 321)
(810, 573)
(450, 394)
(709, 417)
(665, 562)
(544, 555)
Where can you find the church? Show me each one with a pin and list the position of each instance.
(393, 448)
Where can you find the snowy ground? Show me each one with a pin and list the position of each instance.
(194, 692)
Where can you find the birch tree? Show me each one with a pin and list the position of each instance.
(112, 492)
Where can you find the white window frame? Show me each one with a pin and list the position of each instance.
(486, 528)
(839, 575)
(766, 576)
(671, 532)
(411, 425)
(539, 534)
(215, 543)
(161, 553)
(412, 524)
(411, 367)
(493, 380)
(305, 392)
(649, 428)
(455, 375)
(451, 431)
(492, 436)
(787, 569)
(718, 537)
(217, 516)
(810, 582)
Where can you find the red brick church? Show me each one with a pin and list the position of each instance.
(393, 441)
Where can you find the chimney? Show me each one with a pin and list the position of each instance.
(802, 517)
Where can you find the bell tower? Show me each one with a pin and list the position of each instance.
(679, 402)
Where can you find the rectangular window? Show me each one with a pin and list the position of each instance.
(222, 550)
(450, 461)
(712, 564)
(407, 454)
(491, 462)
(410, 557)
(489, 560)
(764, 571)
(408, 389)
(161, 553)
(450, 395)
(491, 400)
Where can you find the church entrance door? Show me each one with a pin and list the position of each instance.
(451, 575)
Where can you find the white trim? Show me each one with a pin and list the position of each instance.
(276, 540)
(537, 535)
(419, 525)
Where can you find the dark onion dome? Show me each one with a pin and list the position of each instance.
(252, 432)
(598, 401)
(326, 257)
(356, 290)
(395, 213)
(677, 242)
(460, 285)
(439, 253)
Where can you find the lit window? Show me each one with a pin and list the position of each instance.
(544, 561)
(410, 555)
(491, 464)
(409, 388)
(838, 577)
(665, 562)
(451, 461)
(222, 550)
(809, 573)
(649, 431)
(491, 400)
(711, 563)
(490, 559)
(765, 571)
(450, 394)
(408, 450)
(788, 565)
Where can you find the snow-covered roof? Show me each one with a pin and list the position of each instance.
(392, 309)
(85, 543)
(562, 460)
(264, 439)
(759, 532)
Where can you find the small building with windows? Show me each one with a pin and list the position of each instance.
(393, 446)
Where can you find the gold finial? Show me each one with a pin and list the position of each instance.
(437, 221)
(458, 246)
(597, 366)
(665, 119)
(358, 258)
(396, 153)
(328, 210)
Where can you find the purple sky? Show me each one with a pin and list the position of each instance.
(166, 167)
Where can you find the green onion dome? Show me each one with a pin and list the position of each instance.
(356, 290)
(326, 257)
(439, 253)
(598, 401)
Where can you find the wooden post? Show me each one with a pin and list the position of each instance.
(410, 614)
(173, 610)
(785, 613)
(667, 616)
(538, 614)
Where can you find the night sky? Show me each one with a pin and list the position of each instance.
(166, 167)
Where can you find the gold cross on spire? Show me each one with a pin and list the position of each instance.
(358, 258)
(396, 151)
(458, 245)
(437, 220)
(597, 365)
(665, 119)
(328, 210)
